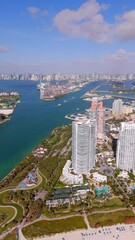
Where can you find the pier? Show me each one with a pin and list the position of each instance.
(70, 118)
(94, 89)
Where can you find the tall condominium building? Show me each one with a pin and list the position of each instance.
(83, 145)
(97, 112)
(117, 107)
(125, 157)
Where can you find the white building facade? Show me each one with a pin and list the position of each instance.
(83, 145)
(69, 177)
(117, 107)
(125, 157)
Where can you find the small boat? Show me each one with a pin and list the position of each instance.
(59, 104)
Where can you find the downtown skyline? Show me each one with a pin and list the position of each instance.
(70, 37)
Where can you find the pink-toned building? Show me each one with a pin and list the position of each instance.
(97, 112)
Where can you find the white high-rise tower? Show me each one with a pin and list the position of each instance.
(83, 145)
(117, 107)
(125, 157)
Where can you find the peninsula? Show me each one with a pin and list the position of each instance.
(35, 202)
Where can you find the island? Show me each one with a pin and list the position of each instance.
(50, 92)
(129, 91)
(117, 84)
(8, 103)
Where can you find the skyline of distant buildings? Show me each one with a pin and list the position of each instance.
(61, 76)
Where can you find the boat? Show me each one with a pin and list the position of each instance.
(59, 104)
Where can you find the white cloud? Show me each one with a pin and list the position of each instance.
(86, 22)
(124, 29)
(121, 55)
(34, 11)
(3, 49)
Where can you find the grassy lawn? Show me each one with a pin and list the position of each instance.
(11, 236)
(114, 203)
(19, 210)
(9, 213)
(108, 205)
(59, 214)
(109, 219)
(42, 228)
(18, 207)
(18, 217)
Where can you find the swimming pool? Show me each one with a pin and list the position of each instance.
(104, 190)
(96, 189)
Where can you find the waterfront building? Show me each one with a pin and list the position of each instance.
(97, 112)
(125, 156)
(69, 177)
(127, 109)
(117, 108)
(132, 117)
(99, 177)
(83, 145)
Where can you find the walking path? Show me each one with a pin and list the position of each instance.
(109, 211)
(20, 235)
(86, 220)
(11, 219)
(9, 204)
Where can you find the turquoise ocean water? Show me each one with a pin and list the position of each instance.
(34, 119)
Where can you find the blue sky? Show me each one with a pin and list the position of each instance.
(74, 36)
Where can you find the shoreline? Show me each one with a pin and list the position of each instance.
(4, 121)
(118, 231)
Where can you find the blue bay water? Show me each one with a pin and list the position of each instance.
(34, 119)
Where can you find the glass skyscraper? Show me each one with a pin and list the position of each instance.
(125, 157)
(83, 145)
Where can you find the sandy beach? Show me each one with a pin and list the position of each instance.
(120, 232)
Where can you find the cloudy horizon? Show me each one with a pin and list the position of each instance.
(81, 36)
